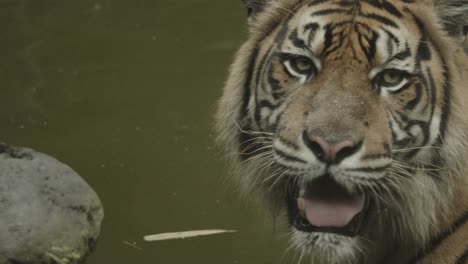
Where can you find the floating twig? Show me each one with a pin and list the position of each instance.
(186, 234)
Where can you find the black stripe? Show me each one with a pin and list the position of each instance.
(261, 68)
(377, 156)
(402, 117)
(276, 89)
(433, 90)
(372, 46)
(402, 55)
(279, 40)
(368, 44)
(345, 3)
(412, 104)
(311, 26)
(248, 81)
(317, 2)
(370, 169)
(336, 44)
(390, 48)
(446, 103)
(393, 37)
(425, 126)
(288, 157)
(381, 19)
(435, 243)
(386, 6)
(288, 143)
(296, 41)
(328, 38)
(268, 104)
(263, 104)
(324, 12)
(365, 26)
(423, 53)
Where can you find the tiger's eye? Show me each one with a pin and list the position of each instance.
(391, 78)
(302, 65)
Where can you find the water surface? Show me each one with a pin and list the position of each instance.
(124, 92)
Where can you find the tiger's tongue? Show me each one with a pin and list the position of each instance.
(332, 213)
(332, 210)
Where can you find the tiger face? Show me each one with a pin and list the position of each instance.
(338, 113)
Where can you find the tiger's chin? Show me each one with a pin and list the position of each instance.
(329, 248)
(328, 221)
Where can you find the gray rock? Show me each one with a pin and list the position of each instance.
(48, 213)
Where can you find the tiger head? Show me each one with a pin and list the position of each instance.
(347, 117)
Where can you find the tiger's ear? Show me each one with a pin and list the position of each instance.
(255, 6)
(455, 16)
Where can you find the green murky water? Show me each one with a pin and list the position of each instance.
(124, 92)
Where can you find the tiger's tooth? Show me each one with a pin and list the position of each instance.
(301, 205)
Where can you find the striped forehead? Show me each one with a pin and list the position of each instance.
(369, 31)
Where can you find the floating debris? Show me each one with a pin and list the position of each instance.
(186, 234)
(132, 244)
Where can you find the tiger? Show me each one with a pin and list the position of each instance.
(348, 119)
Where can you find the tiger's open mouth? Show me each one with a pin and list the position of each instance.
(325, 206)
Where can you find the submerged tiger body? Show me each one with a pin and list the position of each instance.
(350, 119)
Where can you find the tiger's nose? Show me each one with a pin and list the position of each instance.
(330, 152)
